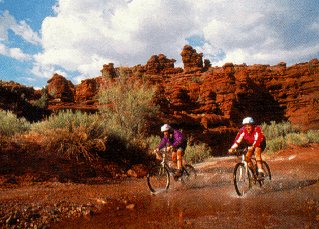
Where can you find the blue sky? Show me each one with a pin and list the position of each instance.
(76, 37)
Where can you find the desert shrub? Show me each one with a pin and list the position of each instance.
(282, 135)
(10, 124)
(275, 144)
(152, 142)
(127, 106)
(71, 135)
(76, 145)
(313, 136)
(299, 139)
(196, 153)
(68, 120)
(42, 102)
(275, 130)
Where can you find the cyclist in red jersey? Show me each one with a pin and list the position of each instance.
(253, 137)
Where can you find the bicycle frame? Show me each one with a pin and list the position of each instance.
(243, 173)
(159, 176)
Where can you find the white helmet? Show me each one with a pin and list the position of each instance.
(165, 127)
(248, 120)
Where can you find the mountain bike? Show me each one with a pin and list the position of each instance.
(158, 177)
(245, 176)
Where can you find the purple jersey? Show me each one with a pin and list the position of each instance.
(176, 139)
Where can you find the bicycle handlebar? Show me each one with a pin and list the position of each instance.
(239, 152)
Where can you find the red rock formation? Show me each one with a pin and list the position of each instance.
(231, 92)
(85, 93)
(108, 71)
(192, 60)
(212, 101)
(160, 64)
(60, 89)
(19, 100)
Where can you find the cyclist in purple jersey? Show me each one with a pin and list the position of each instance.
(176, 143)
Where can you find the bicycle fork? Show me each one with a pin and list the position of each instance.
(241, 171)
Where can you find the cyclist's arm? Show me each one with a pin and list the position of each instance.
(163, 143)
(178, 138)
(238, 139)
(258, 136)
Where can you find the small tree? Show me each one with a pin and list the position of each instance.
(126, 106)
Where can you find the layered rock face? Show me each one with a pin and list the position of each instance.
(215, 97)
(19, 99)
(209, 101)
(60, 89)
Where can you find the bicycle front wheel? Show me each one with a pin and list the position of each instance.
(242, 181)
(158, 179)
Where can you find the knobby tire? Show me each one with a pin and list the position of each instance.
(242, 179)
(158, 178)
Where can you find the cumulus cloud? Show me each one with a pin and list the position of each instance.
(46, 71)
(22, 29)
(84, 36)
(15, 53)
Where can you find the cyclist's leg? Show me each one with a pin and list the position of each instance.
(174, 159)
(258, 152)
(180, 154)
(248, 157)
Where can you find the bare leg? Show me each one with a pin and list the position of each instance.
(174, 160)
(179, 159)
(258, 151)
(248, 158)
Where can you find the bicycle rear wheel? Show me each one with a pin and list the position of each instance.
(242, 181)
(189, 174)
(158, 179)
(267, 175)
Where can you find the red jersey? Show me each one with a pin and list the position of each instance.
(253, 139)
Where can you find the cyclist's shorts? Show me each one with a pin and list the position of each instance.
(182, 149)
(174, 155)
(263, 145)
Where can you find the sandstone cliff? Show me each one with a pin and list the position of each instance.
(209, 101)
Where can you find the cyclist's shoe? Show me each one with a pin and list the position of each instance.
(177, 174)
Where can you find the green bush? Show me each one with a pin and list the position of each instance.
(275, 130)
(276, 144)
(69, 120)
(126, 106)
(42, 102)
(10, 124)
(298, 139)
(313, 136)
(72, 135)
(281, 135)
(152, 142)
(77, 145)
(197, 152)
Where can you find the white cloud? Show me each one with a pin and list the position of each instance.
(46, 71)
(84, 36)
(126, 33)
(15, 53)
(22, 29)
